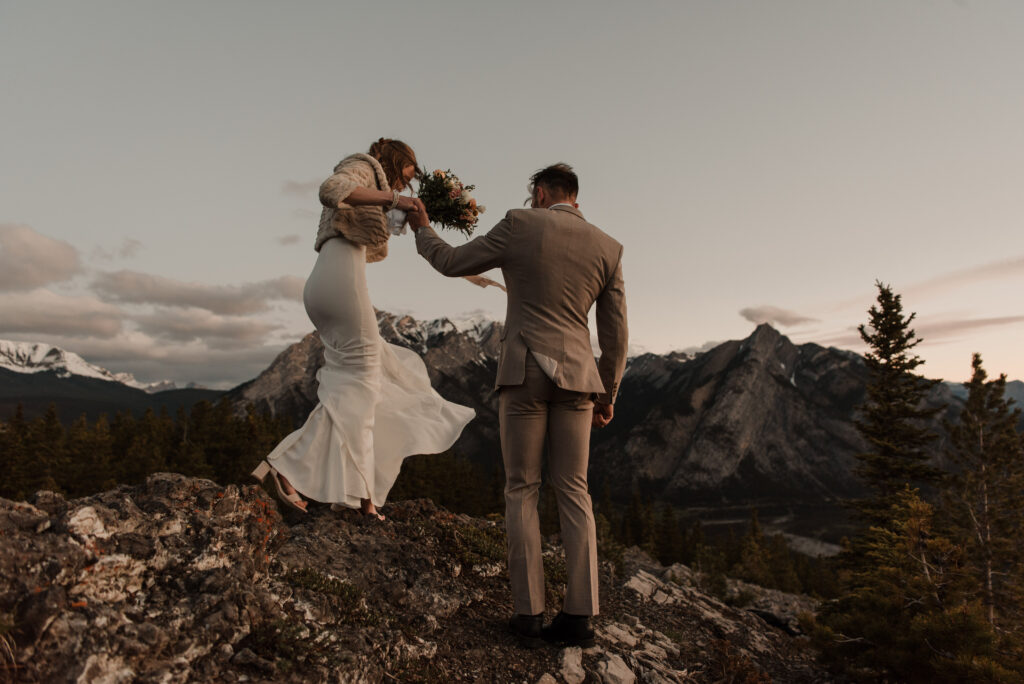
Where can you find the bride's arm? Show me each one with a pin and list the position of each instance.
(351, 186)
(360, 197)
(366, 196)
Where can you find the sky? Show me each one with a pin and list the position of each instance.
(759, 161)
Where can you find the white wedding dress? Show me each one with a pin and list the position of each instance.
(376, 403)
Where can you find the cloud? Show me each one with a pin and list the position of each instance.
(774, 315)
(289, 239)
(29, 259)
(699, 349)
(129, 248)
(213, 368)
(846, 338)
(937, 330)
(305, 190)
(992, 270)
(931, 331)
(44, 312)
(142, 288)
(185, 325)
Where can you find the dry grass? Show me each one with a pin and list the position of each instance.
(8, 661)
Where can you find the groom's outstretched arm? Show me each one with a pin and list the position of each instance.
(476, 256)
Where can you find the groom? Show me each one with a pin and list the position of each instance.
(551, 391)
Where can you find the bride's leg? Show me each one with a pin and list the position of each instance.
(288, 489)
(338, 303)
(367, 508)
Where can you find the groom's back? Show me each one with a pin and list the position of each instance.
(556, 266)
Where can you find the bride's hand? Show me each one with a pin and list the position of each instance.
(411, 204)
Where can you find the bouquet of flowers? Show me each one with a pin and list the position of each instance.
(448, 201)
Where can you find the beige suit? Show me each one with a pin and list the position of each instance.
(556, 267)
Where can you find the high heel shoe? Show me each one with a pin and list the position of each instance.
(337, 507)
(293, 499)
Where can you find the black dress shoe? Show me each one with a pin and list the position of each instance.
(526, 629)
(569, 630)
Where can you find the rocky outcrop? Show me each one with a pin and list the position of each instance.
(180, 579)
(777, 608)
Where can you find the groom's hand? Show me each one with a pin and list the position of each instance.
(603, 414)
(418, 218)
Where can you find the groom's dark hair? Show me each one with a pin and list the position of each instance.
(557, 179)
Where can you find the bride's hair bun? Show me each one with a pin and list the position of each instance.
(377, 148)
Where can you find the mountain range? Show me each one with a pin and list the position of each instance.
(35, 374)
(760, 421)
(756, 422)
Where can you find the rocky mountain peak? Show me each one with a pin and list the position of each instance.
(767, 344)
(765, 331)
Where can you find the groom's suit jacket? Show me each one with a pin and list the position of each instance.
(556, 266)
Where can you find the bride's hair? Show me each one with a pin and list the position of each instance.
(393, 155)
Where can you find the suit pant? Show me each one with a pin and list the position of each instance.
(534, 415)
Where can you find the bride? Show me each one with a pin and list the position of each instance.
(376, 404)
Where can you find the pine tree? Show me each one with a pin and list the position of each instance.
(646, 528)
(782, 565)
(15, 460)
(224, 441)
(693, 540)
(186, 456)
(45, 449)
(907, 614)
(101, 472)
(711, 563)
(122, 432)
(146, 452)
(893, 419)
(983, 498)
(753, 563)
(84, 470)
(604, 504)
(631, 532)
(668, 537)
(904, 608)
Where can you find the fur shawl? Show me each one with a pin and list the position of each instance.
(362, 225)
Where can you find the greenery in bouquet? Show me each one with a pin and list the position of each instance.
(448, 201)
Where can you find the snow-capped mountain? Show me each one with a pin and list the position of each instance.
(39, 357)
(423, 335)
